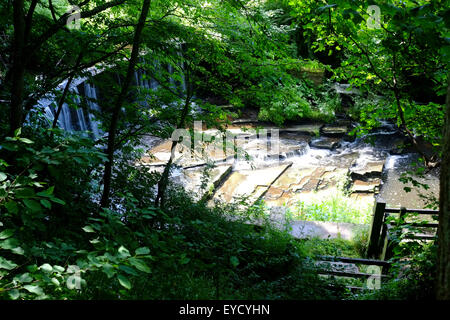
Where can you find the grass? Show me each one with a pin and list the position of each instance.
(336, 208)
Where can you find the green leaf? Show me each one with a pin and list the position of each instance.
(141, 251)
(11, 206)
(46, 203)
(6, 264)
(14, 294)
(56, 200)
(123, 252)
(25, 140)
(88, 229)
(55, 282)
(23, 278)
(46, 193)
(46, 267)
(18, 250)
(128, 270)
(109, 270)
(58, 268)
(34, 289)
(9, 243)
(124, 282)
(6, 234)
(234, 261)
(25, 193)
(32, 204)
(3, 176)
(140, 265)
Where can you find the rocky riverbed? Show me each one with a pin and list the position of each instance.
(302, 163)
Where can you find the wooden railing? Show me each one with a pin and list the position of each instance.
(380, 242)
(341, 270)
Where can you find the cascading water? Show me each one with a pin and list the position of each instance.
(79, 119)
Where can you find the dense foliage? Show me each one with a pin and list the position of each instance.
(66, 233)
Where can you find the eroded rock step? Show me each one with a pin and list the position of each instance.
(250, 184)
(299, 184)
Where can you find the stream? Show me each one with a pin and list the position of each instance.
(314, 164)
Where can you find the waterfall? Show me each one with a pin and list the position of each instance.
(79, 119)
(91, 94)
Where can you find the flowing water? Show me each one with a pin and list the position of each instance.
(303, 168)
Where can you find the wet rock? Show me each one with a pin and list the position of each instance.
(268, 149)
(250, 184)
(294, 136)
(325, 143)
(334, 130)
(372, 169)
(298, 183)
(309, 129)
(366, 186)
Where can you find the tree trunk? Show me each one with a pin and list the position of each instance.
(443, 259)
(164, 180)
(118, 105)
(18, 67)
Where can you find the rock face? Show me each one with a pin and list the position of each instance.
(298, 183)
(366, 186)
(368, 170)
(325, 143)
(249, 183)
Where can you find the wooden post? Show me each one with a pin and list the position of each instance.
(373, 248)
(382, 242)
(389, 244)
(401, 217)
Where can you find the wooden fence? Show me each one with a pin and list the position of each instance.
(380, 242)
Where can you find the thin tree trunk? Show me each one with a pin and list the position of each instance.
(118, 105)
(164, 180)
(65, 92)
(18, 67)
(443, 259)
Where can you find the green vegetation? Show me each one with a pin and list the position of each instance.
(335, 209)
(78, 220)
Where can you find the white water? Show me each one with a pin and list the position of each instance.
(79, 119)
